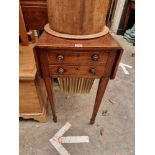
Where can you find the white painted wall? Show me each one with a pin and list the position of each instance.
(117, 16)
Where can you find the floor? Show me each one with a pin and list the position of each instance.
(112, 134)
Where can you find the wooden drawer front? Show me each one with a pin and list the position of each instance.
(84, 71)
(77, 58)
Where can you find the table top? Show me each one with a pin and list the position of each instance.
(48, 41)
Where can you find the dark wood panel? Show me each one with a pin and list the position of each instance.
(35, 14)
(116, 63)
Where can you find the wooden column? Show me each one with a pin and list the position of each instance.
(22, 28)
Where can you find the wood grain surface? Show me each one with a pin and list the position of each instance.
(22, 28)
(78, 17)
(32, 99)
(34, 13)
(32, 91)
(77, 71)
(78, 58)
(102, 43)
(48, 45)
(27, 68)
(29, 102)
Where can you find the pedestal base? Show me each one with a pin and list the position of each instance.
(69, 36)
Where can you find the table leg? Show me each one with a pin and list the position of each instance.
(100, 92)
(48, 84)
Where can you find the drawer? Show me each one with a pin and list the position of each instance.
(77, 58)
(84, 71)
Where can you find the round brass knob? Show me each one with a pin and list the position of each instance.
(60, 70)
(93, 71)
(95, 57)
(60, 58)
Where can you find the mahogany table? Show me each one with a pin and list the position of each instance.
(93, 58)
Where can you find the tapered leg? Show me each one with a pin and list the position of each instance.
(48, 84)
(100, 92)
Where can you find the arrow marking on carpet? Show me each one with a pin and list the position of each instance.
(123, 66)
(57, 140)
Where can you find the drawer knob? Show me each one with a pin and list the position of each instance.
(60, 70)
(93, 71)
(60, 58)
(95, 57)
